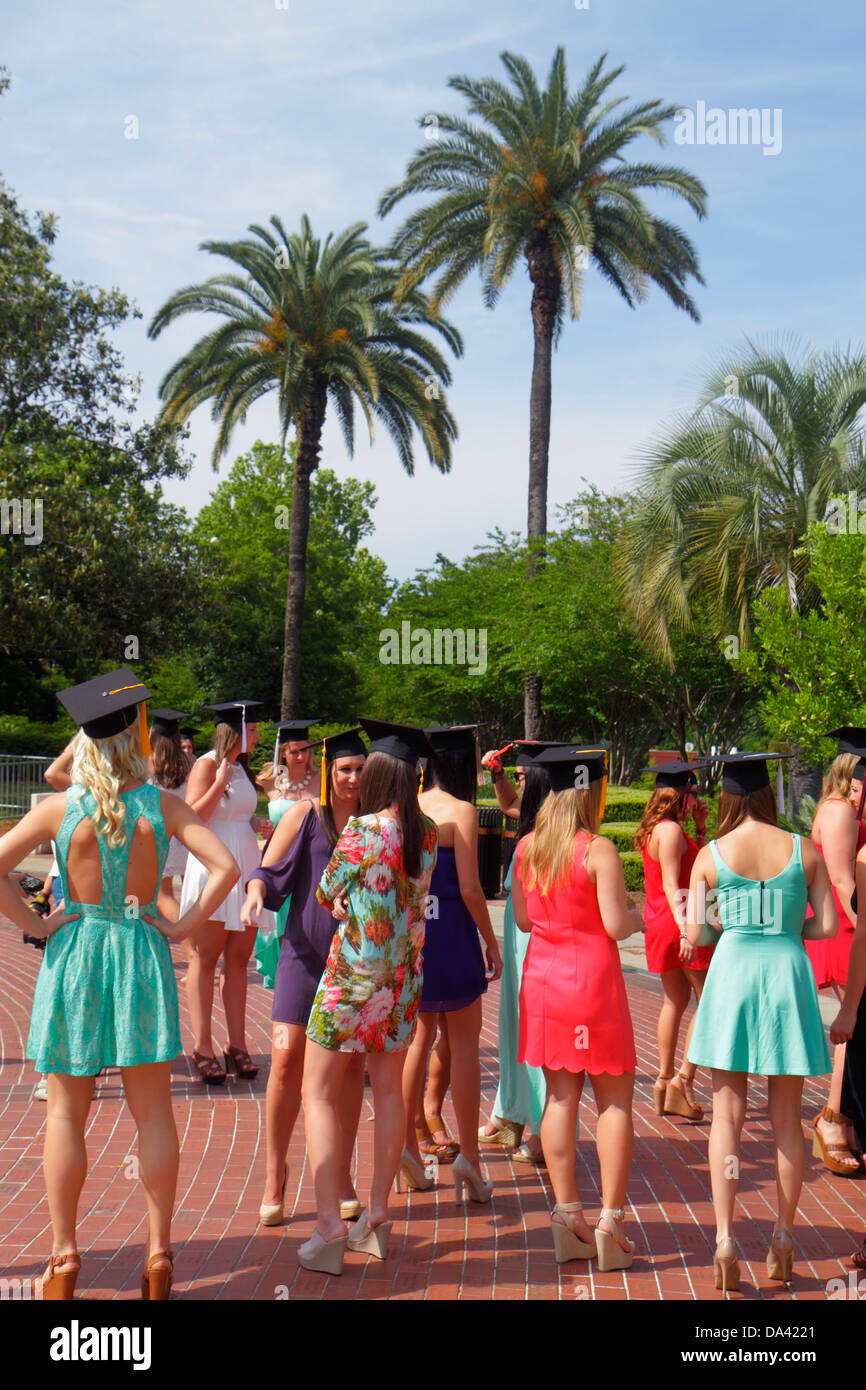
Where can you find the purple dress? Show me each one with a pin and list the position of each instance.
(309, 927)
(453, 964)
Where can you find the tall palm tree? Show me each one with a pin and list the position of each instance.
(729, 492)
(541, 177)
(316, 322)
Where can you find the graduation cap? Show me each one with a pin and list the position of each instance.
(452, 738)
(571, 767)
(234, 713)
(402, 741)
(291, 731)
(676, 774)
(166, 722)
(345, 744)
(529, 749)
(108, 704)
(851, 740)
(747, 772)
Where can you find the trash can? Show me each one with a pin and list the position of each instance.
(509, 843)
(489, 849)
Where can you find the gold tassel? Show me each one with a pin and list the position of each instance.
(603, 802)
(323, 780)
(421, 783)
(142, 729)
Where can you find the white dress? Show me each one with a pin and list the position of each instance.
(178, 854)
(230, 822)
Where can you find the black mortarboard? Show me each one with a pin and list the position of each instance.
(528, 750)
(676, 774)
(106, 705)
(167, 721)
(452, 738)
(746, 772)
(291, 731)
(402, 741)
(346, 744)
(235, 714)
(851, 740)
(568, 766)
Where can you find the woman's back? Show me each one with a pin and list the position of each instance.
(755, 850)
(96, 873)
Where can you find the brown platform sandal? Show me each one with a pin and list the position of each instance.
(825, 1151)
(660, 1090)
(208, 1069)
(241, 1062)
(156, 1282)
(508, 1135)
(677, 1101)
(437, 1127)
(57, 1287)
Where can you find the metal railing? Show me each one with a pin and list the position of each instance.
(20, 777)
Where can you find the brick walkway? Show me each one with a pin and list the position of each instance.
(438, 1250)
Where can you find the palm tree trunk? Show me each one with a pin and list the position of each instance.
(547, 287)
(306, 463)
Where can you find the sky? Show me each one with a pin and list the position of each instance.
(249, 108)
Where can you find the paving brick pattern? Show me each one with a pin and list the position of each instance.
(438, 1249)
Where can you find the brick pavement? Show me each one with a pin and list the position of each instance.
(438, 1250)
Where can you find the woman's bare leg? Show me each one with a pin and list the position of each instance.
(785, 1099)
(386, 1075)
(148, 1095)
(324, 1074)
(729, 1112)
(558, 1130)
(282, 1103)
(464, 1035)
(233, 983)
(350, 1105)
(65, 1155)
(614, 1136)
(415, 1064)
(208, 943)
(438, 1077)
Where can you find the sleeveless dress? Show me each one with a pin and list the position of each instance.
(106, 994)
(662, 942)
(830, 958)
(453, 964)
(230, 822)
(266, 951)
(522, 1090)
(292, 881)
(368, 996)
(177, 853)
(574, 1013)
(759, 1008)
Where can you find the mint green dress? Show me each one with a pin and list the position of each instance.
(759, 1007)
(266, 951)
(106, 994)
(522, 1090)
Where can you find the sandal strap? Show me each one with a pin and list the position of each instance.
(833, 1117)
(568, 1206)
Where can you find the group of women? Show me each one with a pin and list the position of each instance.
(367, 914)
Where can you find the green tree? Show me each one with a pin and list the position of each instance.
(729, 493)
(314, 322)
(541, 177)
(240, 535)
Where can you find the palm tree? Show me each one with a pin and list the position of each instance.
(543, 179)
(730, 491)
(316, 323)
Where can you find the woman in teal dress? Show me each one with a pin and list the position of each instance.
(106, 992)
(292, 779)
(759, 1008)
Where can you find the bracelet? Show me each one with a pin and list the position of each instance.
(495, 776)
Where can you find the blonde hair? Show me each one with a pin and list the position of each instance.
(102, 765)
(840, 776)
(560, 817)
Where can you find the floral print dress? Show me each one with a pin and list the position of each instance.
(368, 996)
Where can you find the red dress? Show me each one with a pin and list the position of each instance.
(573, 1007)
(662, 933)
(830, 958)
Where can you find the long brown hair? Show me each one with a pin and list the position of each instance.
(223, 741)
(388, 781)
(170, 767)
(666, 803)
(560, 817)
(733, 810)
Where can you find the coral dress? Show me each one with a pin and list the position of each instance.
(662, 932)
(574, 1013)
(368, 997)
(830, 958)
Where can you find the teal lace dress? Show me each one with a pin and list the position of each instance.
(106, 993)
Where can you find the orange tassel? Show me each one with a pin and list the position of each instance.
(142, 729)
(323, 782)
